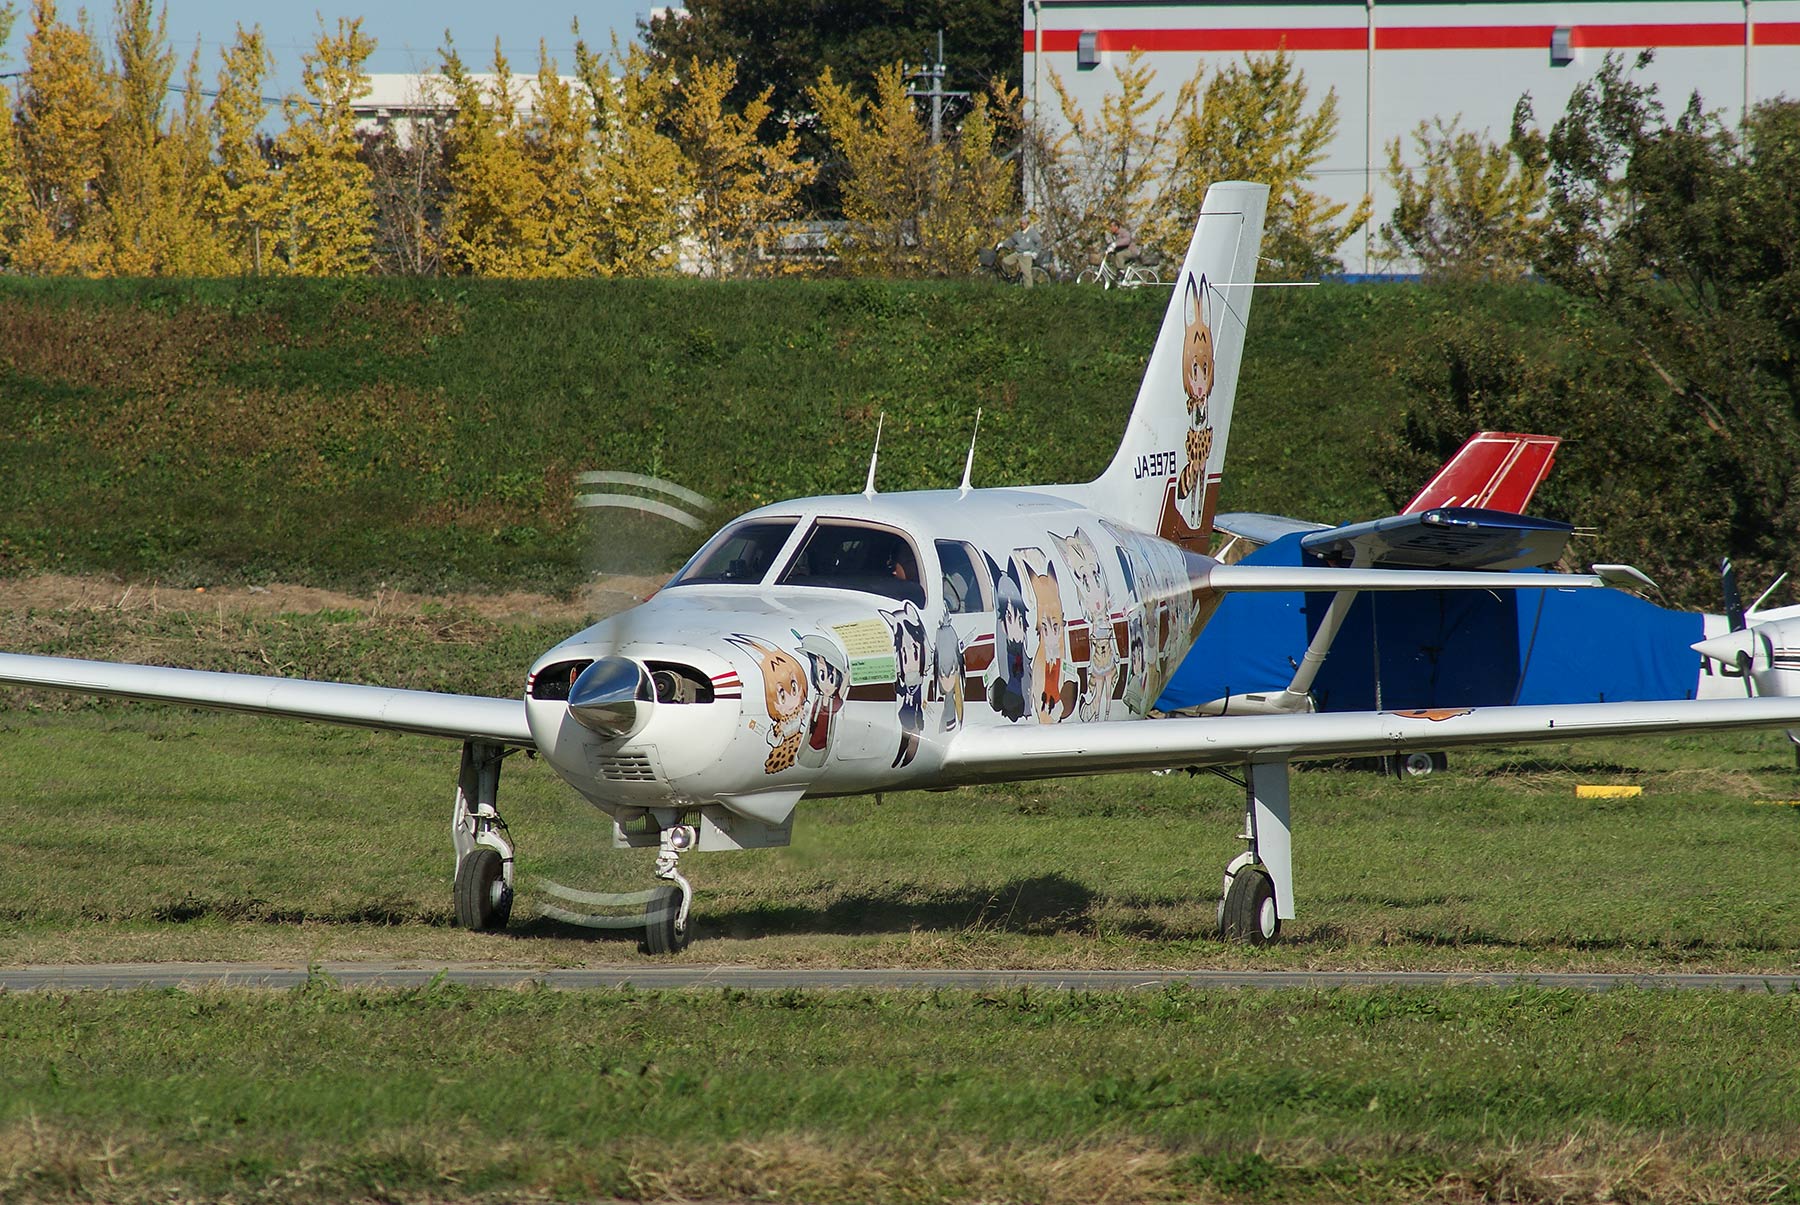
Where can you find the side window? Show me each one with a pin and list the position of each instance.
(965, 584)
(850, 556)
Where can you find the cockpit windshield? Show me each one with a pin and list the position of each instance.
(742, 553)
(841, 555)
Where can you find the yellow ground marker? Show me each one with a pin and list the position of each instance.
(1777, 803)
(1588, 791)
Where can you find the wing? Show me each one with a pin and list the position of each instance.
(1059, 750)
(465, 717)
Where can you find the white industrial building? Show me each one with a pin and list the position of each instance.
(1395, 64)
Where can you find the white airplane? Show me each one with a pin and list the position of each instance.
(876, 642)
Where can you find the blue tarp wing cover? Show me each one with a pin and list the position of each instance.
(1444, 648)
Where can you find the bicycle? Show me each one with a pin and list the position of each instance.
(1135, 275)
(993, 259)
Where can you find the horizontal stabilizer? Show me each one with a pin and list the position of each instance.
(1445, 537)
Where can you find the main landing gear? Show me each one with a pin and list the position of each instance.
(483, 886)
(1258, 891)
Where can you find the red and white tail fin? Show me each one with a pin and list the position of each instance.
(1165, 476)
(1496, 470)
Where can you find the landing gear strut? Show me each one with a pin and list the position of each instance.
(666, 911)
(1258, 892)
(483, 888)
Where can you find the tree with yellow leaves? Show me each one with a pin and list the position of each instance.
(975, 196)
(888, 168)
(640, 192)
(13, 201)
(327, 211)
(1253, 124)
(1469, 207)
(560, 139)
(64, 104)
(492, 226)
(1112, 165)
(150, 186)
(239, 195)
(743, 188)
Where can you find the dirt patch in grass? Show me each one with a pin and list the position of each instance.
(66, 592)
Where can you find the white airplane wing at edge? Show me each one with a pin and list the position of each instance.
(427, 713)
(1061, 750)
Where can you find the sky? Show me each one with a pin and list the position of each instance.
(407, 33)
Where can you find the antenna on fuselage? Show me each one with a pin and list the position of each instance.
(969, 464)
(869, 486)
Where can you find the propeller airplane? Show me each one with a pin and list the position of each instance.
(873, 642)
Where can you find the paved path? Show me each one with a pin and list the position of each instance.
(691, 978)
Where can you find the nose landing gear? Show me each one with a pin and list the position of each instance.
(666, 912)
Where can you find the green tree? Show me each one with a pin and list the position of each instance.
(1253, 124)
(327, 210)
(239, 195)
(1467, 206)
(743, 187)
(1684, 233)
(64, 105)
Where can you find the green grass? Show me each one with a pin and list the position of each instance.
(426, 435)
(319, 1094)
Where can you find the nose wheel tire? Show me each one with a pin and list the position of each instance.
(483, 899)
(662, 933)
(1248, 913)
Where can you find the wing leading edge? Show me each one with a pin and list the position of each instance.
(1061, 750)
(464, 717)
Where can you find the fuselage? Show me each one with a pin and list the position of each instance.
(837, 645)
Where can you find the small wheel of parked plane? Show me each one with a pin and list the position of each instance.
(1419, 765)
(1248, 913)
(483, 900)
(661, 934)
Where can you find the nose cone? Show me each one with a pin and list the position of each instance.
(611, 697)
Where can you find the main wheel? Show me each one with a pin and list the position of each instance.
(483, 899)
(1249, 911)
(661, 935)
(1419, 765)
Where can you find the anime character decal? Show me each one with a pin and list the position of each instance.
(1083, 560)
(1052, 687)
(909, 678)
(1009, 676)
(1199, 369)
(830, 680)
(785, 696)
(947, 675)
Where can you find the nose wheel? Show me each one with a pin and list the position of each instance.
(666, 911)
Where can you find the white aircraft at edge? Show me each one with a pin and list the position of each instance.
(876, 642)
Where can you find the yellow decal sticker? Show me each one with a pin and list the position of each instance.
(870, 646)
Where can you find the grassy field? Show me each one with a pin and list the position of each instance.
(426, 435)
(146, 833)
(321, 1094)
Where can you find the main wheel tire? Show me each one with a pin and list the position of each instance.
(661, 936)
(483, 898)
(1249, 911)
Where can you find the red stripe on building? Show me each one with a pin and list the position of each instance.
(1419, 37)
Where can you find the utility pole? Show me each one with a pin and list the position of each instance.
(934, 72)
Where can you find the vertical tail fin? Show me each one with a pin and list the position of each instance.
(1165, 476)
(1497, 470)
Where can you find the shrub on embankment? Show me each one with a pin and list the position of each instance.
(427, 434)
